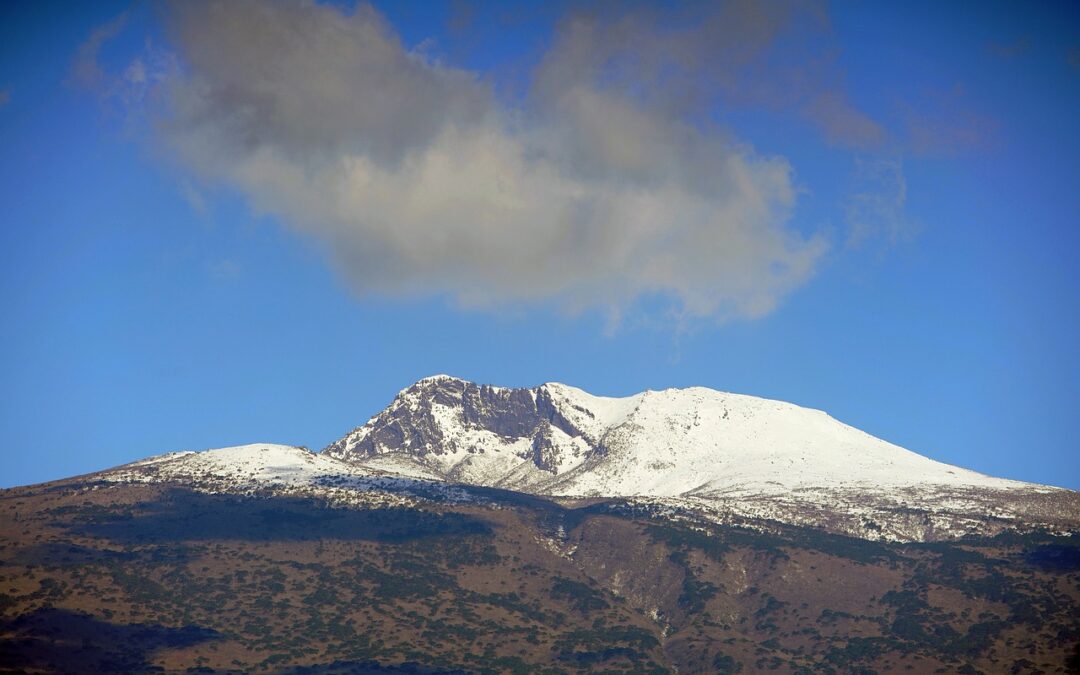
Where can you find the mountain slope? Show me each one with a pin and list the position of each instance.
(156, 575)
(717, 452)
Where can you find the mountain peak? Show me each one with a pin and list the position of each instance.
(558, 439)
(714, 450)
(441, 377)
(714, 454)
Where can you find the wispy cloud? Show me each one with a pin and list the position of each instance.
(126, 91)
(842, 123)
(874, 208)
(194, 198)
(86, 71)
(5, 97)
(948, 122)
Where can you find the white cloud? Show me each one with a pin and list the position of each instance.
(419, 181)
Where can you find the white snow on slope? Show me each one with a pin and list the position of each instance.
(604, 412)
(678, 442)
(701, 442)
(282, 470)
(256, 464)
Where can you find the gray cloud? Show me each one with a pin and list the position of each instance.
(5, 97)
(311, 83)
(603, 187)
(686, 60)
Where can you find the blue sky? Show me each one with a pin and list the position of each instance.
(869, 209)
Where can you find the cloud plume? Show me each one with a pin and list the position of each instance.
(601, 187)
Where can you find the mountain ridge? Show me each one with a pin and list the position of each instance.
(436, 418)
(706, 454)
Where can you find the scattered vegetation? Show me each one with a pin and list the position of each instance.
(184, 582)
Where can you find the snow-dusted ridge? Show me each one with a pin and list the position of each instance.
(718, 455)
(694, 448)
(560, 440)
(268, 468)
(255, 464)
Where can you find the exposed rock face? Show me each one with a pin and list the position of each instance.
(473, 433)
(412, 423)
(726, 454)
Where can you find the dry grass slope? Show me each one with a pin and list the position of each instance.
(138, 578)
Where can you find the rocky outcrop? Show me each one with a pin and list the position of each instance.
(416, 422)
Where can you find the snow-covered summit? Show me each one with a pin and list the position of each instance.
(714, 454)
(712, 451)
(560, 440)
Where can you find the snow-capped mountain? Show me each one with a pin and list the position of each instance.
(689, 453)
(659, 523)
(558, 440)
(722, 453)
